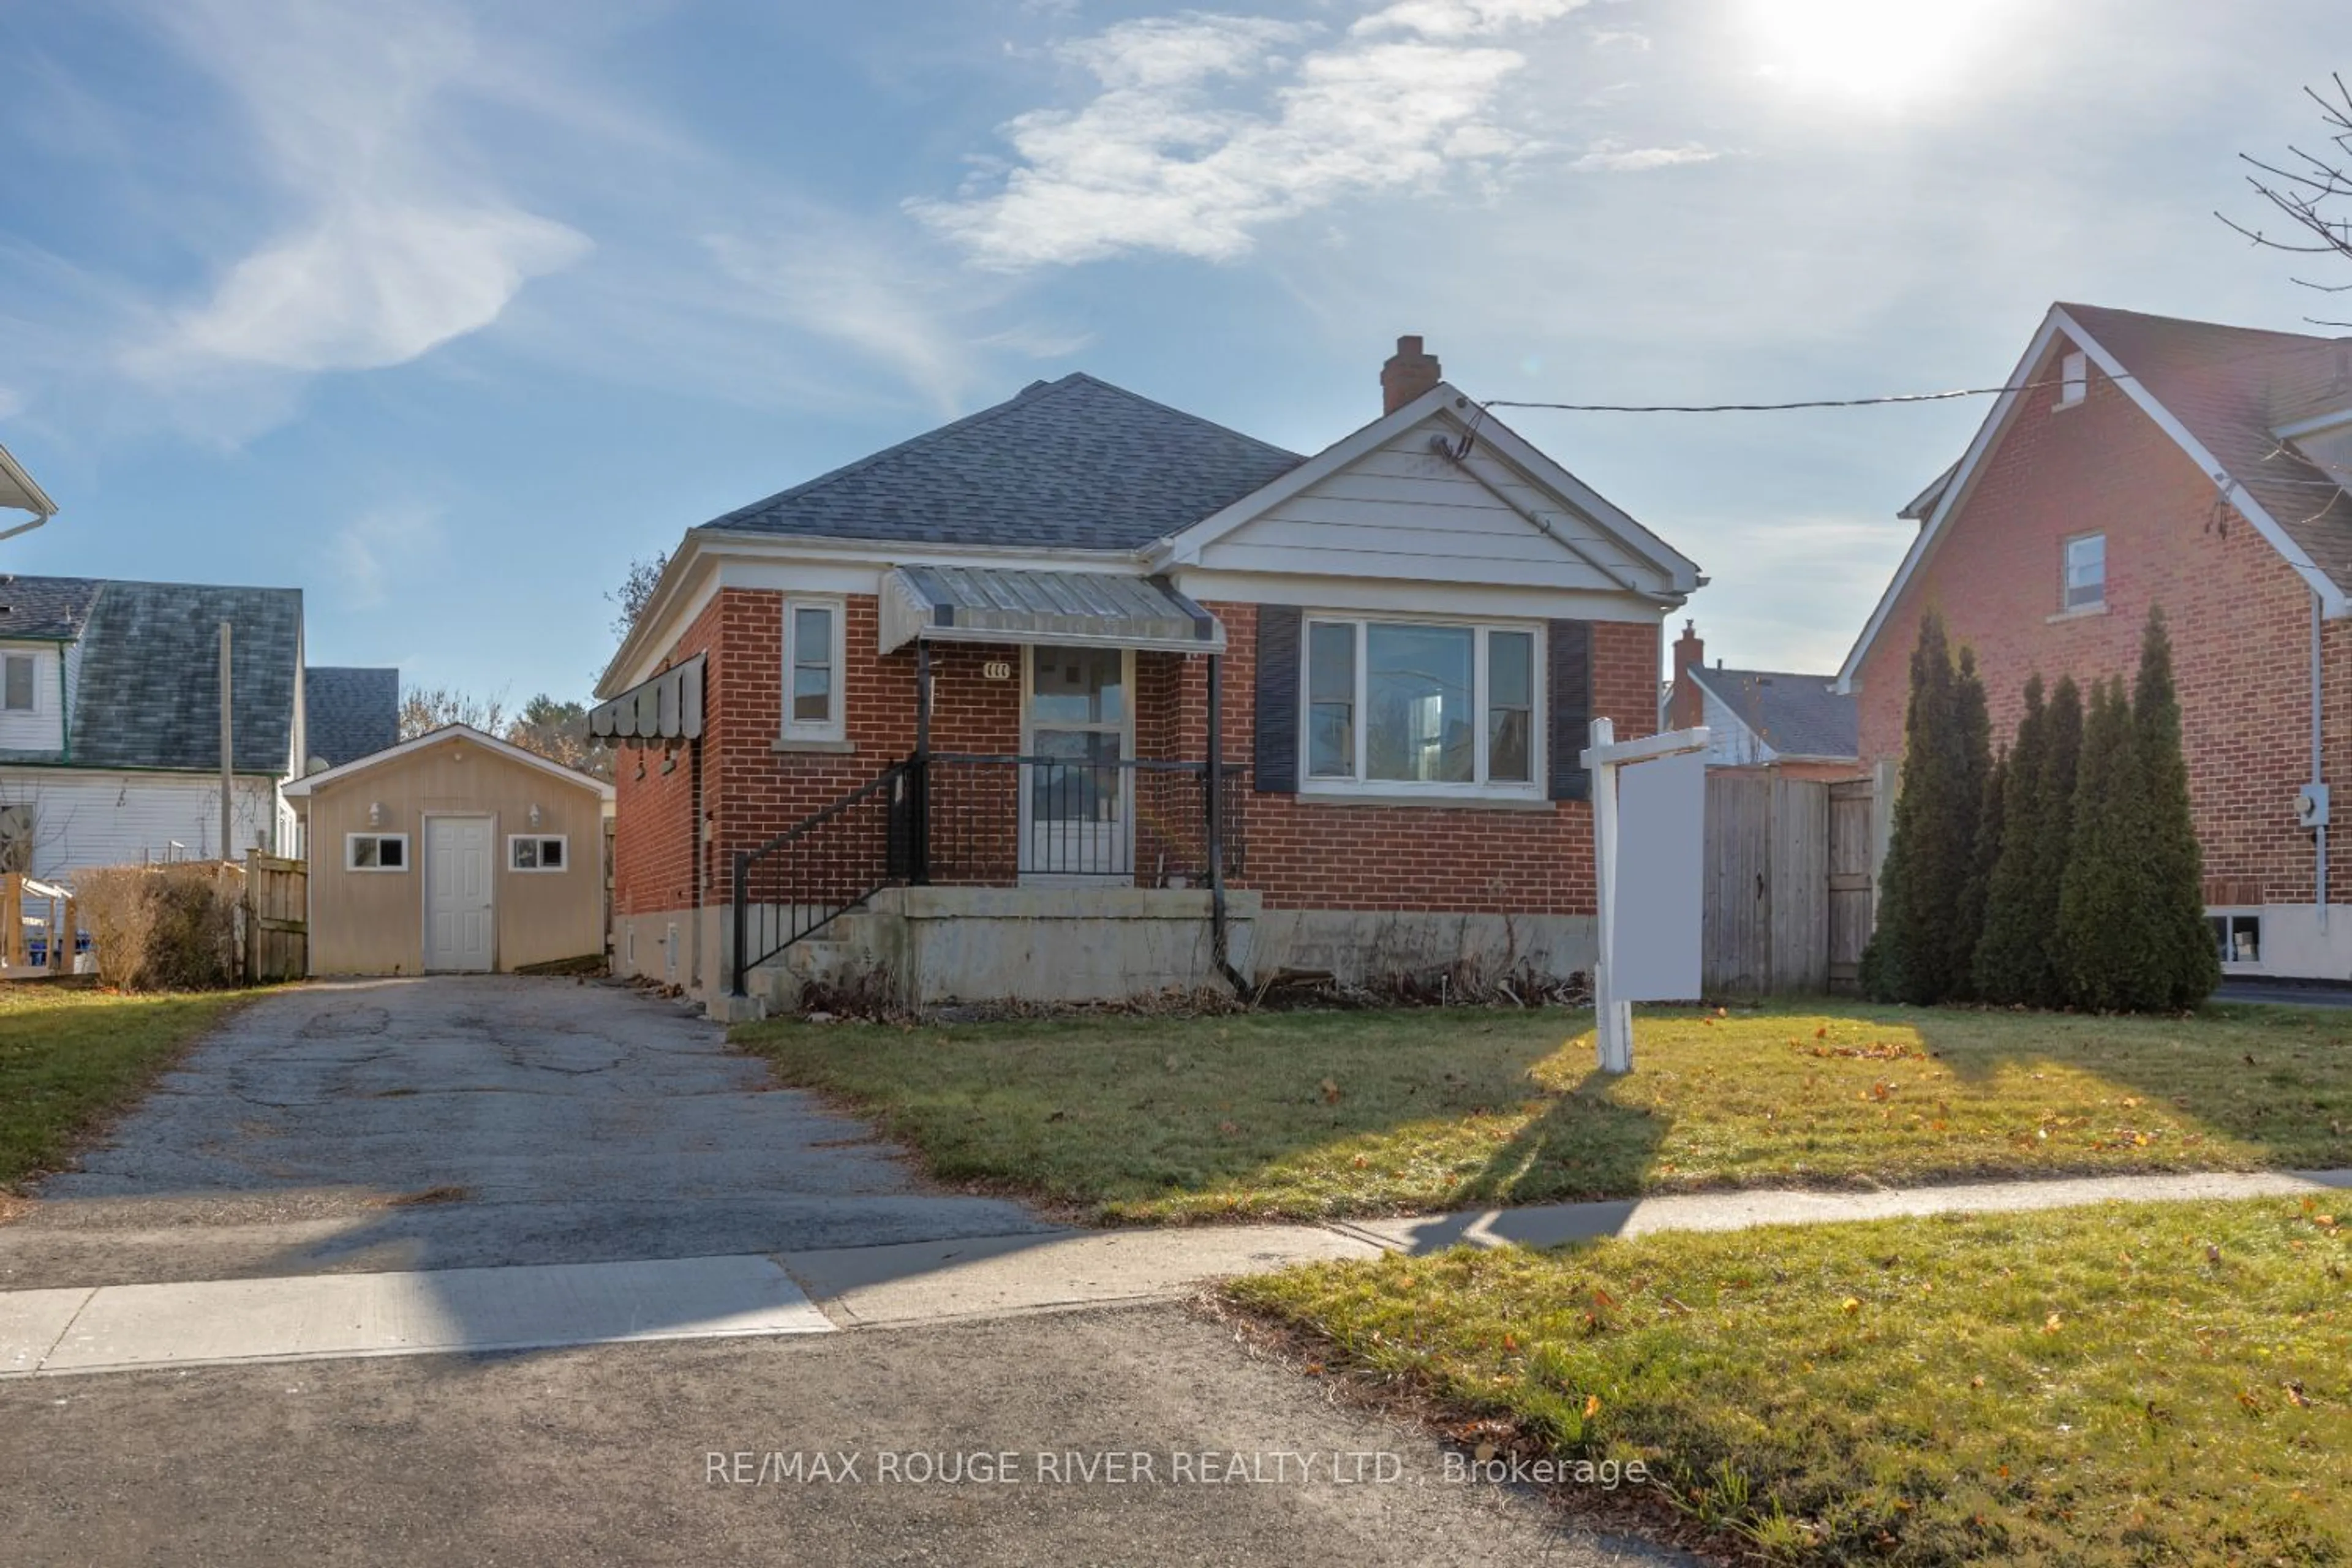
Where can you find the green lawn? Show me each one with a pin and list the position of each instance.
(72, 1055)
(2131, 1383)
(1315, 1114)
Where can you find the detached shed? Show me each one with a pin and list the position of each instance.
(452, 853)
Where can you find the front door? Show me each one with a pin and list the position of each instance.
(457, 912)
(1077, 799)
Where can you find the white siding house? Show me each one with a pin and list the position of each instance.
(109, 721)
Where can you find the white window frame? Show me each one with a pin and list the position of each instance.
(33, 683)
(2230, 915)
(2066, 605)
(542, 838)
(352, 854)
(1480, 787)
(836, 727)
(2074, 379)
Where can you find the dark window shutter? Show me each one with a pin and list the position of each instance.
(1275, 763)
(1569, 646)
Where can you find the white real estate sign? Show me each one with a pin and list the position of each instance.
(1649, 824)
(1660, 840)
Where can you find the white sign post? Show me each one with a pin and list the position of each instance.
(1647, 860)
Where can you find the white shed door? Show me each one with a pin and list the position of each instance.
(457, 918)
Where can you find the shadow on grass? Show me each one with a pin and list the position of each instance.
(1584, 1145)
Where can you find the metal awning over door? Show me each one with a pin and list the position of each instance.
(655, 713)
(1094, 609)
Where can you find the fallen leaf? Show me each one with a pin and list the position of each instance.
(1850, 1304)
(1330, 1092)
(1591, 1406)
(2051, 1324)
(1976, 1382)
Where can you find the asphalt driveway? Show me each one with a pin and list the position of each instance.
(453, 1122)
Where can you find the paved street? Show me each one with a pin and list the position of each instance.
(601, 1455)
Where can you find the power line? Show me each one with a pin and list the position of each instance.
(1894, 397)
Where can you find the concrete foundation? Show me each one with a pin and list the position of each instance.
(925, 947)
(1362, 947)
(928, 946)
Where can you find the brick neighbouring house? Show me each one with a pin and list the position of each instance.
(1797, 726)
(1005, 641)
(2153, 461)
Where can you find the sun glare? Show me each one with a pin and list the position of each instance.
(1887, 51)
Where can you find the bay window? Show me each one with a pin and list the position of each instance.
(1420, 706)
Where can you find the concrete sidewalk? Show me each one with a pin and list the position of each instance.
(112, 1327)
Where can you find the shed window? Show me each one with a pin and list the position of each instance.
(18, 690)
(1421, 706)
(813, 669)
(2086, 572)
(535, 852)
(375, 851)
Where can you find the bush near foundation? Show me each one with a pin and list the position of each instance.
(162, 928)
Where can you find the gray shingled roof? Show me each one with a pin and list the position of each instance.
(45, 609)
(349, 712)
(149, 690)
(1075, 464)
(1796, 715)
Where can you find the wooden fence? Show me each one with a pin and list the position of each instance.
(277, 912)
(1790, 865)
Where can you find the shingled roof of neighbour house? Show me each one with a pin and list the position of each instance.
(2233, 387)
(150, 689)
(1075, 464)
(1796, 715)
(349, 712)
(45, 609)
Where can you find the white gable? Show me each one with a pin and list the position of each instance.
(1405, 510)
(1434, 493)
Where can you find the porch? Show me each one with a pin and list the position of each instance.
(1088, 859)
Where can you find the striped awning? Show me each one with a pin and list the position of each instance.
(1094, 609)
(653, 712)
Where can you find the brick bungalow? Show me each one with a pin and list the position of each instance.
(948, 715)
(2152, 461)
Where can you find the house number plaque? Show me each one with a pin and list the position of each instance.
(996, 669)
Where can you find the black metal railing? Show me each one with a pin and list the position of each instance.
(997, 818)
(821, 868)
(988, 820)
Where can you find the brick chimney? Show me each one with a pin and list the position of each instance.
(1409, 372)
(1687, 708)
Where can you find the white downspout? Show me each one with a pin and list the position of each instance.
(2319, 839)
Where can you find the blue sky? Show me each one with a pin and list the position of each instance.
(444, 313)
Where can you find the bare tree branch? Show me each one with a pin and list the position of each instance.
(2309, 190)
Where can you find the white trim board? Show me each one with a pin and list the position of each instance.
(1495, 445)
(301, 787)
(1960, 482)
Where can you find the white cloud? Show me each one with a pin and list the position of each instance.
(1619, 39)
(398, 246)
(372, 283)
(369, 554)
(1463, 18)
(1160, 159)
(927, 326)
(1610, 157)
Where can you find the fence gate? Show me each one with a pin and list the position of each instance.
(276, 906)
(1787, 883)
(1853, 854)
